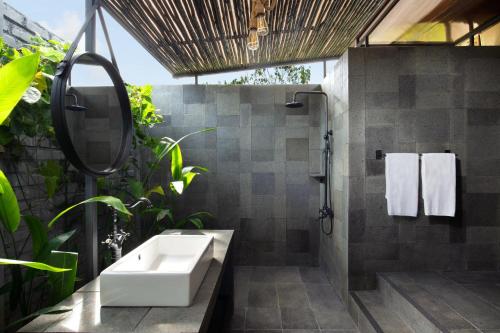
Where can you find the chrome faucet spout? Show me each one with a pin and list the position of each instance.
(142, 200)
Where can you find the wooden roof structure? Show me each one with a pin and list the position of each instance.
(194, 37)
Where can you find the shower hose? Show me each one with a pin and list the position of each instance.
(326, 213)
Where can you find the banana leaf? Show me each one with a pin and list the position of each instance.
(45, 251)
(109, 200)
(15, 78)
(157, 189)
(38, 233)
(32, 264)
(10, 215)
(170, 144)
(63, 284)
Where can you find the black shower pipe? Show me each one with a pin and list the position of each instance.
(326, 211)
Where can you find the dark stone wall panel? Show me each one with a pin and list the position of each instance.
(259, 157)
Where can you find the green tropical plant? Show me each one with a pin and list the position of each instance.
(162, 213)
(31, 116)
(61, 266)
(62, 283)
(27, 120)
(53, 174)
(113, 202)
(32, 264)
(15, 78)
(290, 74)
(9, 208)
(182, 176)
(144, 114)
(20, 75)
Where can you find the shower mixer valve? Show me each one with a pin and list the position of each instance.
(325, 212)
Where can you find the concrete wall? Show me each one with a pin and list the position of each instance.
(259, 157)
(17, 29)
(423, 99)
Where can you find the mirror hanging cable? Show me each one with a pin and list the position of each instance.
(92, 14)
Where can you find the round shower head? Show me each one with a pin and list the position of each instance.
(294, 104)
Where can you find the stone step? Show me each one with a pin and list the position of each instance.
(428, 302)
(373, 316)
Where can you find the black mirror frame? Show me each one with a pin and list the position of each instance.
(58, 109)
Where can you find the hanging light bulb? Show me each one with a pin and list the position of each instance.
(253, 37)
(262, 29)
(260, 13)
(253, 40)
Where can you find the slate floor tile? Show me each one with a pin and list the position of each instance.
(490, 293)
(263, 318)
(263, 274)
(322, 296)
(241, 290)
(292, 295)
(334, 319)
(313, 275)
(298, 318)
(242, 273)
(262, 295)
(238, 319)
(288, 274)
(479, 312)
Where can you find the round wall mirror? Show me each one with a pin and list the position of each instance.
(91, 114)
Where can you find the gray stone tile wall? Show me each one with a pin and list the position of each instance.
(260, 158)
(421, 99)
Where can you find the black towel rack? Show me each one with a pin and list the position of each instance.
(380, 155)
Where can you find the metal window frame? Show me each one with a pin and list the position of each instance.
(362, 40)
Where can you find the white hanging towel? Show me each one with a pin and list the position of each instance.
(401, 184)
(439, 184)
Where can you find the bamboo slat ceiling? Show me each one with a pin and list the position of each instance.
(192, 37)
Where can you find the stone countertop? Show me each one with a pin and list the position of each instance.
(88, 316)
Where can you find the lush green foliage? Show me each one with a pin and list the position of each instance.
(59, 281)
(53, 173)
(32, 264)
(180, 178)
(31, 117)
(55, 269)
(26, 111)
(15, 79)
(145, 114)
(62, 283)
(9, 208)
(113, 202)
(294, 74)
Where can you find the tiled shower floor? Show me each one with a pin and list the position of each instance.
(288, 300)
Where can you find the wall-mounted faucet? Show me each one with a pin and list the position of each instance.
(116, 239)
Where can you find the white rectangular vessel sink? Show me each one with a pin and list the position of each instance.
(166, 270)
